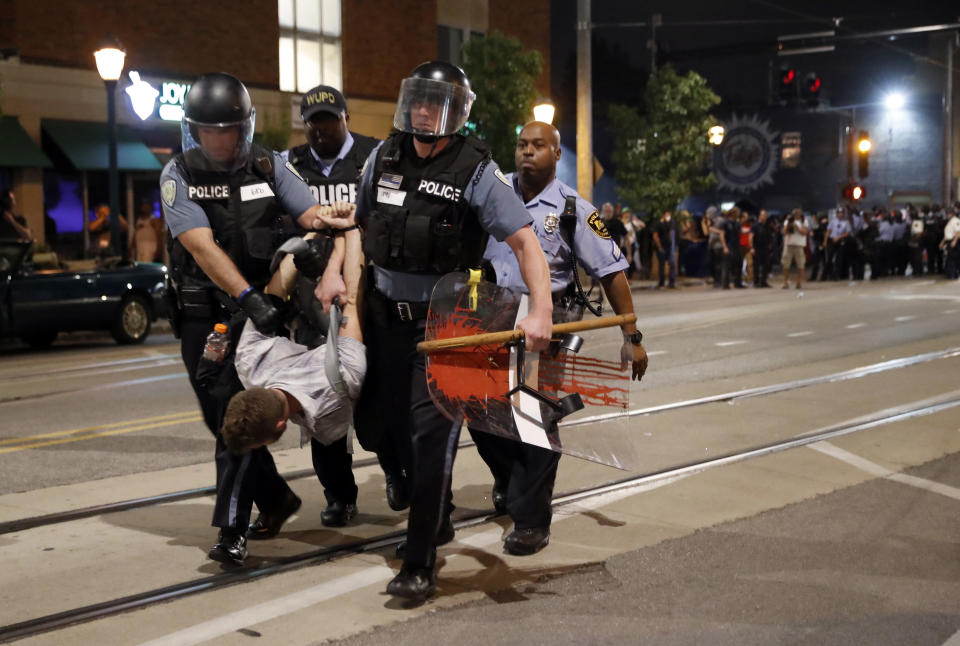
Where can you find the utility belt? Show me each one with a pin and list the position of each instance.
(386, 311)
(566, 306)
(201, 301)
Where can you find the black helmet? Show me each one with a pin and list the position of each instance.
(218, 100)
(443, 86)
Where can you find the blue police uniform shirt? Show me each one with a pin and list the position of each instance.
(501, 214)
(900, 229)
(884, 231)
(596, 250)
(838, 227)
(322, 164)
(183, 214)
(856, 223)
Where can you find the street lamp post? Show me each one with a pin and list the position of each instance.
(110, 66)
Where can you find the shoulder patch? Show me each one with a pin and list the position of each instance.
(168, 192)
(502, 177)
(597, 225)
(293, 170)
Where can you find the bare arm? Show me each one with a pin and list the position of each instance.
(214, 262)
(617, 289)
(538, 324)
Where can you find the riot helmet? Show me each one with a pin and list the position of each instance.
(434, 101)
(218, 121)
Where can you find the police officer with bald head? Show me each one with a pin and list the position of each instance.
(330, 162)
(524, 474)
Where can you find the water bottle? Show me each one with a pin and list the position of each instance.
(217, 343)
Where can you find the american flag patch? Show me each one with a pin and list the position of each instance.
(389, 180)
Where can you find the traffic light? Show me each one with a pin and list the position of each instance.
(854, 191)
(811, 89)
(788, 85)
(863, 153)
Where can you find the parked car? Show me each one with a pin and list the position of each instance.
(37, 304)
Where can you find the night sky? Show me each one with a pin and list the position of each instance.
(737, 53)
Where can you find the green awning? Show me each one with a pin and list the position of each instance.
(85, 145)
(16, 147)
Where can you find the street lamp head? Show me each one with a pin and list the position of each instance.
(715, 135)
(544, 111)
(110, 59)
(894, 101)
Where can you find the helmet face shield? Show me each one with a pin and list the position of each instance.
(217, 146)
(432, 108)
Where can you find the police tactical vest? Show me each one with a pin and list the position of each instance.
(341, 185)
(244, 214)
(432, 229)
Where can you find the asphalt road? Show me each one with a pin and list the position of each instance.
(851, 541)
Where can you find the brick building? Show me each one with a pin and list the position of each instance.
(279, 48)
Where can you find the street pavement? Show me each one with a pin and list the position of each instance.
(851, 541)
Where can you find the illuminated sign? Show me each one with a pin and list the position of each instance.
(143, 98)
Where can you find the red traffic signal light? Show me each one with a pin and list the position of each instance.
(787, 76)
(854, 192)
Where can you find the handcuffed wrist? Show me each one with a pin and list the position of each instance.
(244, 293)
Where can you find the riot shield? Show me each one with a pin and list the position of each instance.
(499, 388)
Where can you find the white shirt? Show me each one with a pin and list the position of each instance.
(952, 229)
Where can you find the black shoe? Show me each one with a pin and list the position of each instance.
(231, 548)
(523, 542)
(499, 496)
(268, 524)
(444, 536)
(338, 514)
(416, 584)
(397, 495)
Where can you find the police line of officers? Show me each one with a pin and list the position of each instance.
(428, 200)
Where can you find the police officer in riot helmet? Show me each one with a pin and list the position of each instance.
(428, 199)
(225, 201)
(330, 162)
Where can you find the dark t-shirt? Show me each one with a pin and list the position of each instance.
(616, 230)
(731, 233)
(762, 236)
(663, 229)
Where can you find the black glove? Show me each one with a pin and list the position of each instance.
(313, 260)
(261, 311)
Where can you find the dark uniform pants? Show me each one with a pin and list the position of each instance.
(526, 475)
(334, 468)
(241, 480)
(405, 413)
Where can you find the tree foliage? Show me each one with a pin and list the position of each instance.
(662, 155)
(276, 131)
(503, 77)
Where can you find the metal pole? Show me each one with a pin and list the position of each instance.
(948, 127)
(584, 106)
(116, 244)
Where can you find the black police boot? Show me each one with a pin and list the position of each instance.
(523, 542)
(268, 524)
(338, 514)
(231, 547)
(499, 496)
(444, 536)
(416, 584)
(398, 497)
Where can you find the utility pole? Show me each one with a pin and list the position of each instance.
(948, 125)
(584, 104)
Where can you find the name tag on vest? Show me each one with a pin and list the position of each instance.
(390, 196)
(209, 192)
(255, 192)
(439, 189)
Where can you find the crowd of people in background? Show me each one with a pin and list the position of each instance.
(736, 248)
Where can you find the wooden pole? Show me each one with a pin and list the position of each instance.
(507, 336)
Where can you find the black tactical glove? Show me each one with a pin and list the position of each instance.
(261, 311)
(313, 260)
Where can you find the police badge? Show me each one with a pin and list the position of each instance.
(550, 222)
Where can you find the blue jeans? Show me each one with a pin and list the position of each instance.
(667, 256)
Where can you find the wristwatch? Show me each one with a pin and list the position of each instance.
(636, 338)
